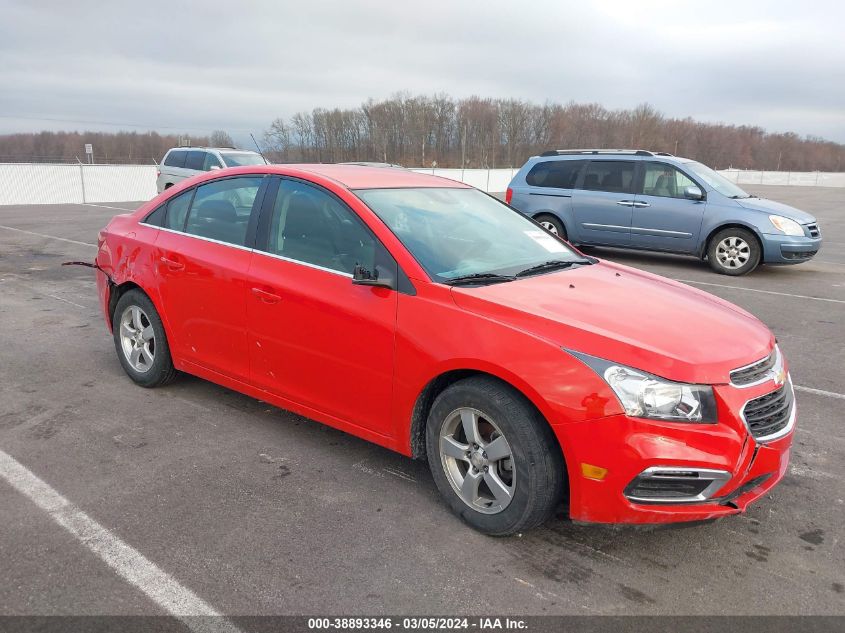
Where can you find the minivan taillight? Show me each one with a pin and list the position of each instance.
(509, 195)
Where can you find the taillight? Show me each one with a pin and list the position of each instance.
(509, 195)
(158, 173)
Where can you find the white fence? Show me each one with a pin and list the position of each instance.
(28, 183)
(32, 183)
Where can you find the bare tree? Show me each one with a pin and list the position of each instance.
(220, 138)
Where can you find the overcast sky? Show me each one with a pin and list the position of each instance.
(195, 67)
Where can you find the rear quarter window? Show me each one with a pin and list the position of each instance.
(175, 159)
(558, 174)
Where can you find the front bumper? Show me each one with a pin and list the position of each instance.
(627, 447)
(789, 249)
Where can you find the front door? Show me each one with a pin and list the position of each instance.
(603, 202)
(315, 338)
(202, 259)
(663, 218)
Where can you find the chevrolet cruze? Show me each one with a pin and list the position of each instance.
(430, 318)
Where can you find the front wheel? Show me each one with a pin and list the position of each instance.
(733, 251)
(140, 341)
(493, 457)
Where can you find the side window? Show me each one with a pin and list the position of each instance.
(156, 218)
(177, 209)
(614, 176)
(660, 179)
(175, 159)
(309, 225)
(210, 161)
(195, 160)
(221, 209)
(560, 174)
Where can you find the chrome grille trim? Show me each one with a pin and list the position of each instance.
(755, 373)
(786, 412)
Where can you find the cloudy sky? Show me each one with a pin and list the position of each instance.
(199, 66)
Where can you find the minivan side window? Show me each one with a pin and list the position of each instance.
(195, 160)
(221, 209)
(614, 176)
(177, 209)
(660, 179)
(210, 161)
(310, 225)
(559, 174)
(176, 158)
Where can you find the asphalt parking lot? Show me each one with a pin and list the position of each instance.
(258, 511)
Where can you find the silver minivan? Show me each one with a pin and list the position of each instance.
(183, 162)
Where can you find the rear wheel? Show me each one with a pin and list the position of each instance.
(493, 457)
(733, 251)
(552, 224)
(140, 340)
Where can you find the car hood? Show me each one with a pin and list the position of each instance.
(628, 316)
(775, 208)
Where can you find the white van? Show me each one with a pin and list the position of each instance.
(183, 162)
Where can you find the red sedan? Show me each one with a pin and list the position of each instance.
(428, 317)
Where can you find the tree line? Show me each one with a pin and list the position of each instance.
(476, 132)
(423, 131)
(109, 147)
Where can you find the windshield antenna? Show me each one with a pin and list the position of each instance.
(258, 148)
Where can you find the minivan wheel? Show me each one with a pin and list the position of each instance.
(493, 457)
(552, 224)
(733, 251)
(140, 341)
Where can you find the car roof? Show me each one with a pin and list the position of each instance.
(215, 149)
(363, 177)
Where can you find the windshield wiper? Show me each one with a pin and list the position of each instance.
(738, 197)
(552, 265)
(475, 278)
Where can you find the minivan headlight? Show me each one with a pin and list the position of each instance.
(644, 395)
(785, 225)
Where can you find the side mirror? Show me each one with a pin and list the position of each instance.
(213, 167)
(693, 193)
(379, 277)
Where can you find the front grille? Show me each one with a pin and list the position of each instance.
(813, 229)
(754, 372)
(768, 415)
(799, 254)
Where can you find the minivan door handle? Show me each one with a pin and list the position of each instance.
(626, 203)
(266, 297)
(640, 205)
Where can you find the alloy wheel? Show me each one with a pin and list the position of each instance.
(477, 460)
(137, 338)
(733, 252)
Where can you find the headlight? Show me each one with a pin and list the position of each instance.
(785, 225)
(644, 395)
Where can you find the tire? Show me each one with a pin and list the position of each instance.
(530, 481)
(140, 341)
(552, 224)
(733, 251)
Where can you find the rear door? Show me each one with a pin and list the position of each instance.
(663, 218)
(203, 254)
(602, 203)
(315, 338)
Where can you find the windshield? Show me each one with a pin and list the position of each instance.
(241, 159)
(717, 181)
(453, 233)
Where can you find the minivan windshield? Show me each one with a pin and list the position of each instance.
(716, 180)
(241, 159)
(466, 235)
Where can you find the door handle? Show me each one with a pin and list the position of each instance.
(640, 205)
(172, 264)
(626, 203)
(266, 297)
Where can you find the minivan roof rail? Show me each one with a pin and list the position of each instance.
(633, 152)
